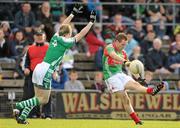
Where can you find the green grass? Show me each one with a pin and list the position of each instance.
(81, 123)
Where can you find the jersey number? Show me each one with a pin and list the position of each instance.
(54, 43)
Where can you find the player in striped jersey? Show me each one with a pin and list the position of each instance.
(118, 82)
(42, 75)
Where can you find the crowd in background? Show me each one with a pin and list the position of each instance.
(24, 39)
(147, 33)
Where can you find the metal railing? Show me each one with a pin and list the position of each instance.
(134, 4)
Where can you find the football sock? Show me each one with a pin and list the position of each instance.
(149, 90)
(25, 112)
(135, 117)
(27, 103)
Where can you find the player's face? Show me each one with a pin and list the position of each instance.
(121, 44)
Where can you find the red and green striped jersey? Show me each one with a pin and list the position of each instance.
(111, 66)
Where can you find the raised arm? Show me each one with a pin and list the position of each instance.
(76, 10)
(86, 29)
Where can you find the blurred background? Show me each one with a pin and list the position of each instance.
(153, 30)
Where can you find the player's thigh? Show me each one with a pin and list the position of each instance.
(132, 85)
(42, 93)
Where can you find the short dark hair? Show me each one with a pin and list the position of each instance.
(72, 71)
(121, 36)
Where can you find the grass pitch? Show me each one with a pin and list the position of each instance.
(81, 123)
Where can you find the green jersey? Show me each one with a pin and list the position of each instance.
(57, 48)
(111, 66)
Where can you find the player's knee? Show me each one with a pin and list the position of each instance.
(45, 101)
(42, 100)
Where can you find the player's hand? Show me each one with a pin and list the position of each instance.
(93, 16)
(26, 71)
(78, 9)
(127, 63)
(142, 81)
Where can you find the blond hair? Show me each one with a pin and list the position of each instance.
(64, 29)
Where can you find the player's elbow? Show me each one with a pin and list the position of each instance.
(78, 38)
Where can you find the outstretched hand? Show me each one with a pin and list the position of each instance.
(93, 16)
(78, 9)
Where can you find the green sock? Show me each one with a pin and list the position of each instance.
(27, 103)
(25, 112)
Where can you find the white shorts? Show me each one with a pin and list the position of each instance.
(39, 73)
(117, 82)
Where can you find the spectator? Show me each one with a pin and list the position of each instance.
(147, 42)
(34, 56)
(98, 82)
(169, 16)
(19, 42)
(148, 78)
(149, 27)
(68, 59)
(59, 78)
(137, 55)
(138, 32)
(56, 9)
(20, 46)
(176, 29)
(119, 8)
(37, 26)
(178, 85)
(174, 56)
(156, 60)
(6, 48)
(95, 39)
(25, 19)
(140, 9)
(111, 30)
(73, 84)
(157, 16)
(132, 43)
(6, 28)
(57, 25)
(96, 43)
(150, 83)
(45, 17)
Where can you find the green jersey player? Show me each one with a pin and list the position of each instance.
(42, 74)
(118, 82)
